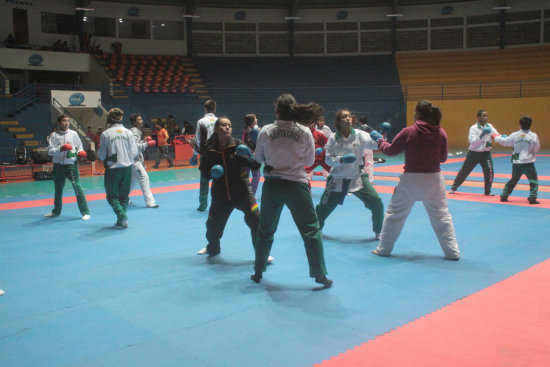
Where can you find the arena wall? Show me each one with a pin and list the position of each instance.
(504, 113)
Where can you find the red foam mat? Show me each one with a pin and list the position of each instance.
(506, 324)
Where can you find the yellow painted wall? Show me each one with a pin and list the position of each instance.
(504, 114)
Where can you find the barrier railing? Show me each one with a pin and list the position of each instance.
(513, 89)
(27, 171)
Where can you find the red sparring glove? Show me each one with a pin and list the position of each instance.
(151, 143)
(66, 147)
(494, 135)
(148, 138)
(82, 154)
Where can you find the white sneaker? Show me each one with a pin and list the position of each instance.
(270, 259)
(377, 236)
(86, 217)
(204, 251)
(50, 214)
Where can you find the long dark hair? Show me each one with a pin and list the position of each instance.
(427, 112)
(289, 110)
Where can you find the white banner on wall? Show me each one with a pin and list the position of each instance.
(11, 58)
(76, 98)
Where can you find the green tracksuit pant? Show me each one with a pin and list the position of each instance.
(484, 159)
(518, 170)
(276, 193)
(367, 195)
(117, 188)
(70, 172)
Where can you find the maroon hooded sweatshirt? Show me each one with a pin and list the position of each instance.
(425, 147)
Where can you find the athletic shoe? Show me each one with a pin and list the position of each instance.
(203, 251)
(270, 259)
(130, 202)
(490, 194)
(533, 201)
(503, 199)
(153, 206)
(377, 236)
(50, 215)
(154, 167)
(324, 281)
(376, 252)
(451, 191)
(122, 225)
(86, 217)
(452, 258)
(201, 208)
(256, 277)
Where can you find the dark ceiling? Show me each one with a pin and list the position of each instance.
(280, 4)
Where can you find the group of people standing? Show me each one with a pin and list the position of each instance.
(290, 148)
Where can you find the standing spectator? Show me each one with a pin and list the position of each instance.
(90, 134)
(425, 146)
(162, 146)
(287, 147)
(118, 151)
(187, 129)
(250, 136)
(205, 128)
(526, 144)
(479, 152)
(138, 170)
(65, 147)
(171, 126)
(344, 153)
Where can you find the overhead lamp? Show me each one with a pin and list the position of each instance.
(502, 7)
(394, 15)
(292, 18)
(190, 16)
(84, 9)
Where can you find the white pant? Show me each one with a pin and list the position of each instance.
(430, 189)
(139, 174)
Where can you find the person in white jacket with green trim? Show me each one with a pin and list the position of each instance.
(526, 144)
(480, 138)
(138, 170)
(287, 147)
(118, 150)
(344, 152)
(65, 147)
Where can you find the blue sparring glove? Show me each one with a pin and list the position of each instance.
(253, 135)
(318, 152)
(216, 171)
(385, 127)
(243, 151)
(485, 131)
(503, 136)
(376, 136)
(194, 160)
(348, 158)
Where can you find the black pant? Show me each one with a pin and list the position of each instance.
(219, 213)
(473, 159)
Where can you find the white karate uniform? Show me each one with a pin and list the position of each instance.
(138, 170)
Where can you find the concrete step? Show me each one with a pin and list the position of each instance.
(16, 129)
(9, 123)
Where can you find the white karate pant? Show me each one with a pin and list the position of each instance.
(430, 189)
(139, 174)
